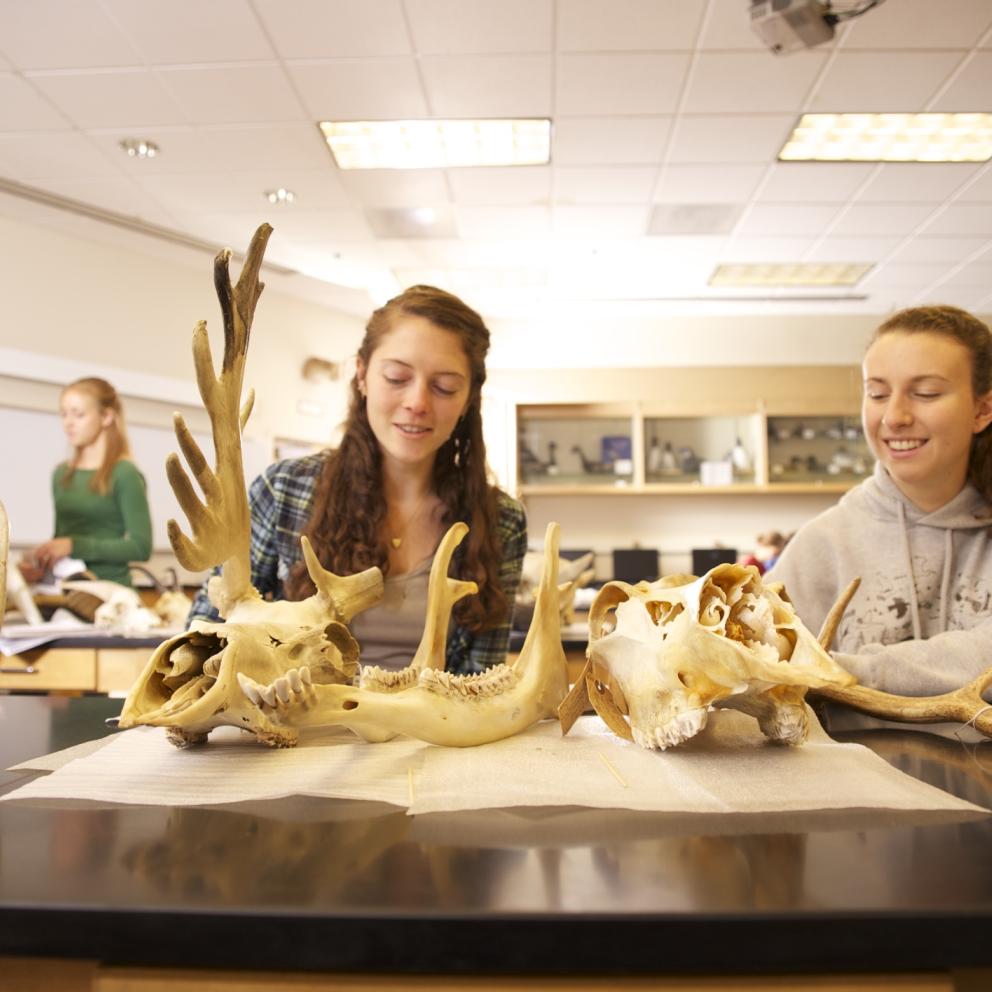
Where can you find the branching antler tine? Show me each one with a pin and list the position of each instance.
(203, 364)
(198, 466)
(188, 554)
(442, 594)
(832, 621)
(248, 289)
(246, 408)
(964, 705)
(196, 512)
(343, 596)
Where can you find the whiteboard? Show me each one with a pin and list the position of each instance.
(32, 443)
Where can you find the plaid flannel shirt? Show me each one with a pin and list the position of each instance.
(280, 500)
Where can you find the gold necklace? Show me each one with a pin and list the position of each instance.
(396, 542)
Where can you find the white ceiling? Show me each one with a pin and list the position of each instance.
(668, 115)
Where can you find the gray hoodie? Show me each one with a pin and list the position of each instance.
(921, 622)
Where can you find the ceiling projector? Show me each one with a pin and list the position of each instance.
(789, 25)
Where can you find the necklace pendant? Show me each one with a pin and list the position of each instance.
(396, 541)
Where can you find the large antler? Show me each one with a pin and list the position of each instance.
(964, 705)
(221, 524)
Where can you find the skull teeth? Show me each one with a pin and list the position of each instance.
(680, 728)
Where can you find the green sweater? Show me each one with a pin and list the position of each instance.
(107, 530)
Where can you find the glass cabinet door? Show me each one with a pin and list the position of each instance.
(574, 451)
(817, 450)
(704, 450)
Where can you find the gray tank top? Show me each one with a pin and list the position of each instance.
(390, 631)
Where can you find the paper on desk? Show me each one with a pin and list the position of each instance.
(140, 766)
(728, 768)
(17, 638)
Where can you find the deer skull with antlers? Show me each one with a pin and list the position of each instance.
(683, 646)
(189, 684)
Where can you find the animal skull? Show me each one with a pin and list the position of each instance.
(189, 684)
(683, 646)
(432, 705)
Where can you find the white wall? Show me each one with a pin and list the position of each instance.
(104, 309)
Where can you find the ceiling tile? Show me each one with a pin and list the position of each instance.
(752, 249)
(488, 86)
(298, 147)
(631, 25)
(912, 276)
(962, 219)
(483, 186)
(817, 181)
(396, 187)
(609, 140)
(971, 274)
(325, 29)
(233, 94)
(462, 26)
(64, 155)
(503, 222)
(635, 83)
(850, 250)
(116, 98)
(919, 181)
(241, 191)
(55, 34)
(882, 219)
(771, 219)
(599, 222)
(604, 184)
(23, 109)
(971, 87)
(744, 82)
(919, 24)
(119, 195)
(927, 249)
(182, 31)
(704, 183)
(863, 82)
(721, 138)
(981, 188)
(728, 27)
(357, 90)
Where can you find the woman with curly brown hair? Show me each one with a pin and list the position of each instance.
(411, 463)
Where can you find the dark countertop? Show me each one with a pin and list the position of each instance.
(348, 886)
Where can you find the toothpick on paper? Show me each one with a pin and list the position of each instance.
(613, 771)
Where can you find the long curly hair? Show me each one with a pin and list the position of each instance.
(349, 506)
(975, 336)
(117, 445)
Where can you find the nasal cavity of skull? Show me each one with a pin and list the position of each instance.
(663, 613)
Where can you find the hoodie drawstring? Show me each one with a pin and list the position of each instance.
(914, 606)
(945, 579)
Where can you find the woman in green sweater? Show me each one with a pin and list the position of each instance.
(101, 507)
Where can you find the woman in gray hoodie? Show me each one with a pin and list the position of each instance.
(918, 531)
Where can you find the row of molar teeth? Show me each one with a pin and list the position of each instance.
(492, 682)
(678, 729)
(384, 680)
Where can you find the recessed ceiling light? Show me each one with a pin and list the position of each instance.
(438, 144)
(139, 148)
(279, 195)
(890, 138)
(790, 274)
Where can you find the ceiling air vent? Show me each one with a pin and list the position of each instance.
(693, 218)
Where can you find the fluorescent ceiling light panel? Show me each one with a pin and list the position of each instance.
(438, 144)
(790, 274)
(890, 138)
